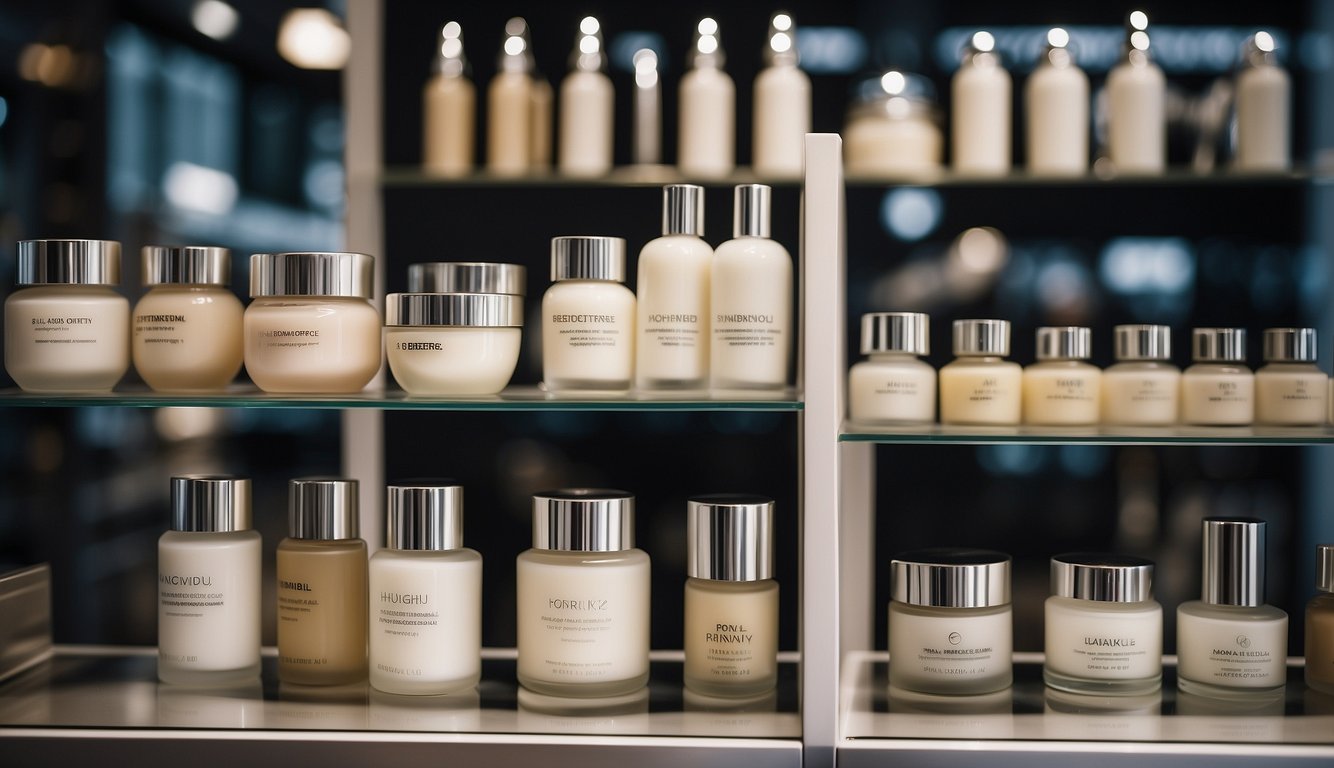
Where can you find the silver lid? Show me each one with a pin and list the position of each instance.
(312, 274)
(1290, 345)
(1065, 343)
(683, 210)
(322, 508)
(751, 204)
(730, 537)
(450, 60)
(210, 503)
(1234, 561)
(981, 337)
(467, 277)
(1142, 342)
(908, 332)
(424, 514)
(949, 577)
(1218, 345)
(781, 49)
(589, 54)
(469, 310)
(1324, 567)
(70, 262)
(584, 520)
(588, 257)
(1102, 577)
(186, 265)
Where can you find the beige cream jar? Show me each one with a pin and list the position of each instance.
(187, 328)
(1289, 389)
(452, 343)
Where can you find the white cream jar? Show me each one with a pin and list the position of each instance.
(452, 343)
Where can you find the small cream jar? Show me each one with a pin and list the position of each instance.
(187, 327)
(453, 343)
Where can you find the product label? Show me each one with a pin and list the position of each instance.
(674, 330)
(1232, 654)
(898, 388)
(404, 615)
(289, 338)
(730, 649)
(159, 329)
(1227, 392)
(582, 621)
(1298, 391)
(419, 346)
(1065, 390)
(72, 329)
(1100, 656)
(582, 331)
(746, 330)
(1151, 391)
(1241, 661)
(986, 389)
(957, 655)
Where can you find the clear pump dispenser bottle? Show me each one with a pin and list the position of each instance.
(894, 386)
(672, 291)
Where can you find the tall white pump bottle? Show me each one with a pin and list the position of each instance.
(782, 105)
(706, 138)
(1264, 108)
(1056, 100)
(980, 93)
(586, 98)
(1136, 98)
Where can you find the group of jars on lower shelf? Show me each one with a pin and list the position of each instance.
(411, 617)
(950, 622)
(1143, 388)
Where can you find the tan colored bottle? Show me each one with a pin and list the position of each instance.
(510, 97)
(1320, 625)
(449, 103)
(1290, 390)
(586, 107)
(188, 327)
(322, 586)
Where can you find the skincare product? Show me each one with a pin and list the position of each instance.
(980, 110)
(588, 317)
(1056, 99)
(510, 105)
(1264, 108)
(1136, 99)
(1290, 390)
(1143, 388)
(782, 105)
(893, 386)
(893, 128)
(1061, 388)
(981, 386)
(187, 328)
(707, 133)
(449, 105)
(1320, 624)
(1218, 389)
(453, 343)
(672, 291)
(467, 277)
(586, 99)
(646, 144)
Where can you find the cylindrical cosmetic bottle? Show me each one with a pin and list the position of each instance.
(426, 594)
(981, 386)
(209, 584)
(509, 105)
(449, 105)
(980, 117)
(583, 596)
(1320, 624)
(706, 138)
(1104, 630)
(1056, 99)
(453, 343)
(588, 317)
(672, 295)
(1136, 105)
(1142, 388)
(1229, 642)
(1290, 390)
(894, 386)
(782, 105)
(322, 586)
(1218, 390)
(311, 326)
(1264, 108)
(731, 599)
(586, 106)
(951, 629)
(1061, 388)
(66, 328)
(187, 328)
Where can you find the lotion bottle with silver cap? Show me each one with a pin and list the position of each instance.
(1230, 642)
(707, 134)
(1218, 390)
(588, 317)
(894, 386)
(1264, 108)
(672, 290)
(981, 386)
(951, 628)
(1061, 388)
(66, 328)
(1056, 98)
(510, 107)
(583, 597)
(188, 327)
(1104, 630)
(449, 107)
(751, 300)
(980, 110)
(209, 567)
(782, 105)
(586, 101)
(1290, 390)
(453, 343)
(731, 599)
(426, 594)
(322, 586)
(1136, 105)
(1320, 624)
(1142, 388)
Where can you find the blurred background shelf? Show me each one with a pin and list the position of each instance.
(1026, 435)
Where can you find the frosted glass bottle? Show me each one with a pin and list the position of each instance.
(1320, 624)
(583, 597)
(188, 327)
(588, 317)
(706, 136)
(1290, 390)
(1142, 388)
(980, 386)
(209, 567)
(1218, 390)
(1136, 106)
(894, 386)
(782, 115)
(509, 111)
(1264, 108)
(750, 300)
(980, 94)
(1056, 103)
(426, 594)
(449, 107)
(1061, 389)
(672, 294)
(586, 107)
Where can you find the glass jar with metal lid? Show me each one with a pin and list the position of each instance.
(980, 386)
(588, 317)
(1290, 389)
(453, 343)
(893, 127)
(893, 386)
(188, 326)
(1062, 388)
(1142, 388)
(1219, 388)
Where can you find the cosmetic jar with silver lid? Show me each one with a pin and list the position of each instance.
(1290, 389)
(467, 277)
(1062, 388)
(980, 387)
(893, 386)
(453, 343)
(188, 327)
(1143, 388)
(1218, 389)
(588, 317)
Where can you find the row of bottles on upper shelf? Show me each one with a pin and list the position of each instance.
(519, 107)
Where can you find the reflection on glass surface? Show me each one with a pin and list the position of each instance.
(539, 713)
(322, 707)
(455, 713)
(933, 716)
(240, 706)
(1074, 716)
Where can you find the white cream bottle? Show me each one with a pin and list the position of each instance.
(510, 97)
(706, 135)
(1136, 96)
(426, 594)
(586, 107)
(1056, 99)
(980, 110)
(1264, 108)
(209, 574)
(1218, 390)
(894, 386)
(1290, 390)
(1229, 642)
(1061, 388)
(731, 598)
(188, 327)
(449, 107)
(1142, 388)
(782, 115)
(750, 300)
(583, 597)
(672, 289)
(980, 386)
(588, 317)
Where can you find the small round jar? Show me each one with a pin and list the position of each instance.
(894, 128)
(893, 386)
(951, 629)
(311, 327)
(1142, 388)
(1104, 630)
(980, 386)
(66, 328)
(1289, 389)
(1062, 388)
(453, 343)
(1218, 389)
(187, 328)
(588, 317)
(467, 277)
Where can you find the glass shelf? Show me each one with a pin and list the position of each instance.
(621, 176)
(521, 398)
(1179, 435)
(1181, 177)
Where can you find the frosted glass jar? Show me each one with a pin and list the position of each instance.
(66, 328)
(1290, 390)
(311, 327)
(583, 597)
(1142, 388)
(588, 317)
(452, 343)
(1218, 390)
(895, 129)
(1320, 624)
(950, 622)
(187, 327)
(1104, 630)
(1061, 389)
(981, 386)
(893, 386)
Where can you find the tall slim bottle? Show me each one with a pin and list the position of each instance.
(782, 116)
(1264, 108)
(707, 134)
(1136, 98)
(510, 105)
(980, 115)
(586, 98)
(672, 288)
(1056, 99)
(449, 102)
